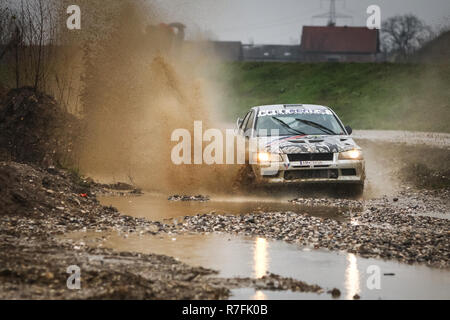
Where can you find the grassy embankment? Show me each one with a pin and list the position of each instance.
(365, 96)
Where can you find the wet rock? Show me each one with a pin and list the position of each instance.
(272, 281)
(137, 191)
(177, 197)
(335, 293)
(384, 231)
(52, 170)
(391, 230)
(120, 186)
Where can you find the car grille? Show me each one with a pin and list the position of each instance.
(310, 157)
(311, 174)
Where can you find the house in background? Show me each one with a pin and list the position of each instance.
(228, 50)
(340, 44)
(271, 52)
(323, 44)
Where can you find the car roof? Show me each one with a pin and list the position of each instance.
(287, 106)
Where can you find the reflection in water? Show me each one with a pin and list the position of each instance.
(157, 207)
(351, 277)
(236, 256)
(259, 295)
(260, 257)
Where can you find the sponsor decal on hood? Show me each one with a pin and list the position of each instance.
(308, 144)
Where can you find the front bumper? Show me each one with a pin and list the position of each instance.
(334, 171)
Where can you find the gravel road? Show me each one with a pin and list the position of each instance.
(409, 224)
(432, 139)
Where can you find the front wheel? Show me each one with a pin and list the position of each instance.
(245, 178)
(356, 190)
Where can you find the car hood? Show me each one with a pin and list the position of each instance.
(307, 144)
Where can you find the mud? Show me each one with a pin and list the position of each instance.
(160, 84)
(177, 197)
(35, 129)
(156, 207)
(39, 205)
(380, 231)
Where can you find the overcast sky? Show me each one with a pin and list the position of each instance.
(281, 21)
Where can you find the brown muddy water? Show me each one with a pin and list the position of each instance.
(154, 206)
(235, 256)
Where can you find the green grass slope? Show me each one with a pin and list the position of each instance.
(365, 96)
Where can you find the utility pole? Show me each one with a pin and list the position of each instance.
(332, 18)
(332, 15)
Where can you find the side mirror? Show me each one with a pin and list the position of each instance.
(348, 129)
(238, 123)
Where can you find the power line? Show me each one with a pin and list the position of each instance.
(274, 23)
(332, 15)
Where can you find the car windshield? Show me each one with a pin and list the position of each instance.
(298, 122)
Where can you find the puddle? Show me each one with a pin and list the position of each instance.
(252, 294)
(253, 257)
(157, 207)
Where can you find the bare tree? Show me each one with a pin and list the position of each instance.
(37, 22)
(6, 19)
(28, 33)
(37, 50)
(10, 40)
(403, 35)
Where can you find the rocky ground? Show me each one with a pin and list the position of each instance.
(387, 228)
(198, 197)
(39, 204)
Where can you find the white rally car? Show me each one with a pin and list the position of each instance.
(301, 144)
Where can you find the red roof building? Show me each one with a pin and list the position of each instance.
(349, 44)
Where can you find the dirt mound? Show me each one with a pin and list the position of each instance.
(27, 190)
(35, 129)
(3, 91)
(38, 204)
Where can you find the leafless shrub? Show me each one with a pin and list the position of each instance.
(403, 35)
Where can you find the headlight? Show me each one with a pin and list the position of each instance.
(268, 157)
(354, 154)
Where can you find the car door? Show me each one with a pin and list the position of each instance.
(247, 130)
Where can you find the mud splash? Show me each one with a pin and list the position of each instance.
(392, 166)
(141, 82)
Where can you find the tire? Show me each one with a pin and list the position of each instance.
(356, 190)
(245, 178)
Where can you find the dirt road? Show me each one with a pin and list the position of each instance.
(51, 221)
(431, 139)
